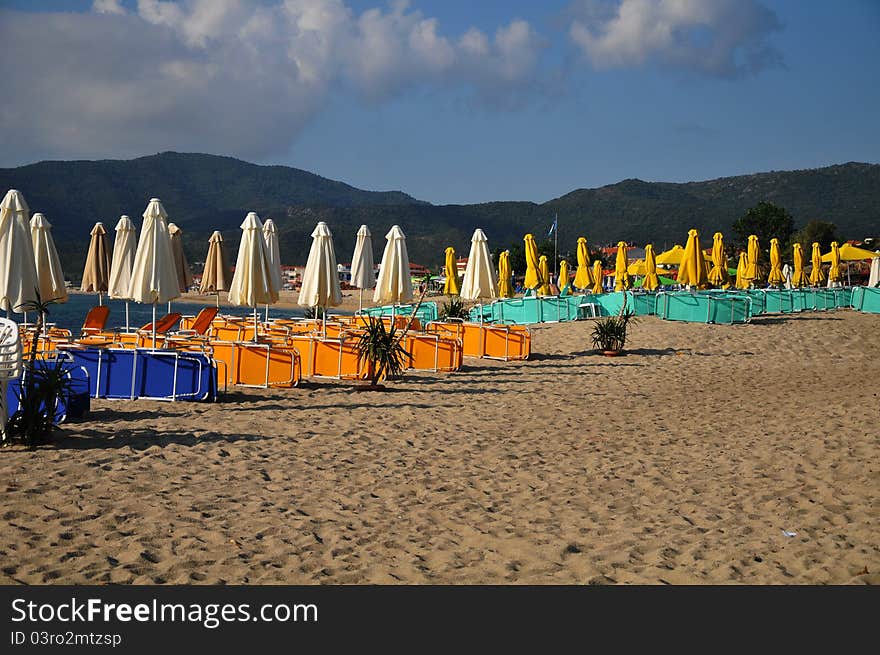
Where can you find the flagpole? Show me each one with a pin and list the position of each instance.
(555, 241)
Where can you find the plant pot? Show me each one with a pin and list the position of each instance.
(369, 387)
(612, 353)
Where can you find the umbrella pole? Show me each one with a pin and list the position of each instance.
(324, 321)
(169, 306)
(360, 301)
(267, 312)
(218, 300)
(126, 317)
(154, 325)
(255, 323)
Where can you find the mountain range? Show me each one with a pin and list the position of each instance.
(202, 193)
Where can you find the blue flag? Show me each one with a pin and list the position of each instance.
(554, 226)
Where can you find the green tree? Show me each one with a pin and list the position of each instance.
(821, 231)
(766, 221)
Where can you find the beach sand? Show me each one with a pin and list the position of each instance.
(682, 462)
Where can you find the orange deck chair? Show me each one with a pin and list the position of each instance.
(96, 320)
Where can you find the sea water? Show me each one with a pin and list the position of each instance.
(71, 314)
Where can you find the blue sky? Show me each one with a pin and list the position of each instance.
(740, 86)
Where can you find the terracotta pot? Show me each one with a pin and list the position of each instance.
(369, 387)
(612, 353)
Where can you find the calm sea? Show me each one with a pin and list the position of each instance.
(70, 315)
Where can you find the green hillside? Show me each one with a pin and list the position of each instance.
(204, 192)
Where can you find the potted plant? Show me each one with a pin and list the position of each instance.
(40, 389)
(609, 333)
(453, 309)
(380, 348)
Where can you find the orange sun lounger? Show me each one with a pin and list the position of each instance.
(433, 352)
(493, 341)
(335, 357)
(251, 364)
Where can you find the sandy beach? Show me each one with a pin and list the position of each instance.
(708, 454)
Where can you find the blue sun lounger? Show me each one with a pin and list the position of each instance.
(131, 373)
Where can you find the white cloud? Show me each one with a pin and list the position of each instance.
(226, 76)
(726, 38)
(107, 7)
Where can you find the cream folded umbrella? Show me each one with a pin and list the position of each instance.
(216, 277)
(320, 283)
(874, 275)
(252, 282)
(50, 276)
(270, 236)
(478, 282)
(18, 272)
(394, 284)
(363, 275)
(153, 276)
(122, 263)
(181, 266)
(96, 274)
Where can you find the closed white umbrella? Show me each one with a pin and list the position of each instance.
(216, 277)
(874, 277)
(18, 271)
(122, 263)
(96, 274)
(478, 282)
(363, 275)
(252, 281)
(153, 277)
(270, 236)
(50, 276)
(320, 283)
(181, 266)
(394, 284)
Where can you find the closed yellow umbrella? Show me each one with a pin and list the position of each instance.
(692, 270)
(622, 280)
(582, 278)
(753, 274)
(817, 275)
(564, 283)
(799, 277)
(834, 274)
(719, 275)
(452, 286)
(775, 277)
(597, 277)
(505, 287)
(533, 276)
(544, 273)
(650, 283)
(742, 267)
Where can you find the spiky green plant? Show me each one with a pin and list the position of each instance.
(314, 312)
(609, 333)
(453, 308)
(379, 347)
(40, 387)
